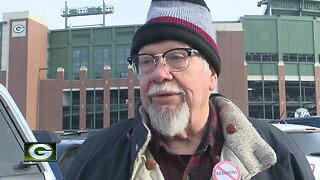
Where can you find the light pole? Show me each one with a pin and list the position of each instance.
(118, 96)
(65, 15)
(103, 12)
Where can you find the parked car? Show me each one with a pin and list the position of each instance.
(307, 121)
(308, 139)
(14, 133)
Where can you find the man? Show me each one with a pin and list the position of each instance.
(180, 131)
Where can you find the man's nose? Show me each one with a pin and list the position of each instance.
(159, 60)
(161, 72)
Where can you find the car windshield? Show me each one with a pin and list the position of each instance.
(308, 142)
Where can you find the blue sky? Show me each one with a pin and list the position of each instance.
(126, 11)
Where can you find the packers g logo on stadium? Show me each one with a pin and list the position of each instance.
(40, 152)
(19, 28)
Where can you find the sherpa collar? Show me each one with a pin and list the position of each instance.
(245, 143)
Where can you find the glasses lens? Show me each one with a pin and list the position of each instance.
(144, 64)
(177, 60)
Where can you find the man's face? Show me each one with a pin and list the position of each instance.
(172, 98)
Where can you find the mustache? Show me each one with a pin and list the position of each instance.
(164, 87)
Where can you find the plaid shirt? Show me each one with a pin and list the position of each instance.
(196, 166)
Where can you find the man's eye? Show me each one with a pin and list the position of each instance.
(177, 57)
(146, 61)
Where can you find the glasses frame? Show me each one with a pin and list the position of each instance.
(132, 59)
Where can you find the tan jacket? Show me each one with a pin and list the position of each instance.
(245, 147)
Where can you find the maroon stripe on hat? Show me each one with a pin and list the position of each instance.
(186, 23)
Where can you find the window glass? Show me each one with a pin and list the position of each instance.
(263, 99)
(255, 90)
(307, 141)
(119, 106)
(80, 58)
(122, 66)
(71, 110)
(289, 57)
(300, 95)
(102, 57)
(262, 57)
(94, 111)
(11, 149)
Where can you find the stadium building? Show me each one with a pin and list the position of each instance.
(78, 78)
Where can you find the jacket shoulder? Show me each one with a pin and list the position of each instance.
(291, 161)
(109, 136)
(102, 152)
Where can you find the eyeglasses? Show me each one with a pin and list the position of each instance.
(177, 60)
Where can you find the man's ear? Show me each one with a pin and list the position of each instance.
(213, 79)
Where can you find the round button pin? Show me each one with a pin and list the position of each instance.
(226, 170)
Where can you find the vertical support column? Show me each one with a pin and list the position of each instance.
(281, 73)
(130, 92)
(83, 102)
(282, 90)
(317, 86)
(60, 75)
(106, 95)
(59, 87)
(316, 45)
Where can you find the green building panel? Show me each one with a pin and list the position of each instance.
(317, 40)
(260, 34)
(80, 37)
(57, 59)
(124, 34)
(286, 4)
(57, 38)
(262, 68)
(279, 34)
(294, 69)
(291, 69)
(270, 68)
(102, 36)
(307, 70)
(296, 36)
(293, 7)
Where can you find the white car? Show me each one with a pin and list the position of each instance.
(308, 139)
(14, 133)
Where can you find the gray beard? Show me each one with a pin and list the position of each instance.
(168, 122)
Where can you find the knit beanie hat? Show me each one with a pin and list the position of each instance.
(187, 21)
